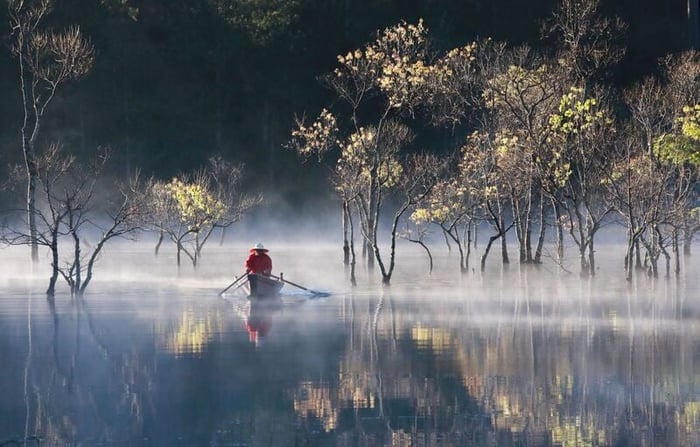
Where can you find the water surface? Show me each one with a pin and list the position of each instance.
(513, 357)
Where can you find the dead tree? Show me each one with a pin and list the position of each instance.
(46, 60)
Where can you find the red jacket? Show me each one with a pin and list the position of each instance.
(258, 263)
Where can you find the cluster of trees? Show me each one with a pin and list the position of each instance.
(550, 143)
(545, 127)
(67, 210)
(78, 211)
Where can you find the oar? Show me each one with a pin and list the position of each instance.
(301, 287)
(238, 278)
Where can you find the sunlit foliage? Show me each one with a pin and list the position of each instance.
(316, 138)
(682, 147)
(196, 205)
(188, 208)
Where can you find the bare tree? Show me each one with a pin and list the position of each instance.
(451, 205)
(46, 60)
(421, 173)
(416, 233)
(589, 43)
(484, 181)
(70, 216)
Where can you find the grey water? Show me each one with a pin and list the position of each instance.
(516, 356)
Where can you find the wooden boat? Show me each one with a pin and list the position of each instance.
(263, 286)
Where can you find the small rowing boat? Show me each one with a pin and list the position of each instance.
(263, 286)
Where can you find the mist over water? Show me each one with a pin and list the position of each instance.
(520, 355)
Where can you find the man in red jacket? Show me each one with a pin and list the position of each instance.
(258, 261)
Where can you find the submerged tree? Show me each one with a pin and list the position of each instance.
(46, 60)
(189, 208)
(681, 93)
(521, 92)
(381, 84)
(655, 179)
(583, 132)
(452, 205)
(70, 216)
(678, 154)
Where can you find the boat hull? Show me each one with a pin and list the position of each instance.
(261, 286)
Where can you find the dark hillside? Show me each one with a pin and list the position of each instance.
(183, 81)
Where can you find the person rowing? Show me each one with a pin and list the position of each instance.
(258, 261)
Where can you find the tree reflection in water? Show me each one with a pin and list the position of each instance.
(558, 363)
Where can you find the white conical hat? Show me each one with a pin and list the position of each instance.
(259, 246)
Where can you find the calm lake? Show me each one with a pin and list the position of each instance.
(520, 356)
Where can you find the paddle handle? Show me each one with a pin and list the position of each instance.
(238, 278)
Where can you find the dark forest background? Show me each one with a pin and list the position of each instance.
(176, 81)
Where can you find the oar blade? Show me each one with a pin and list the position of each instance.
(316, 294)
(312, 292)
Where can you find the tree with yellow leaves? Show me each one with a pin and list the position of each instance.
(583, 131)
(189, 208)
(654, 183)
(380, 84)
(520, 92)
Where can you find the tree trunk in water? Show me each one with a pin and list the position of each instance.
(370, 256)
(676, 253)
(78, 267)
(638, 256)
(629, 256)
(519, 231)
(51, 290)
(585, 270)
(468, 245)
(160, 241)
(353, 259)
(346, 243)
(373, 214)
(560, 232)
(504, 250)
(427, 251)
(653, 263)
(223, 236)
(687, 240)
(486, 252)
(447, 240)
(504, 246)
(541, 235)
(591, 257)
(197, 250)
(528, 244)
(30, 164)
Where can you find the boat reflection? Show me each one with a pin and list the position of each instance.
(258, 320)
